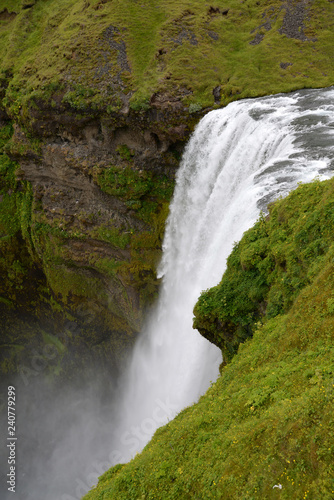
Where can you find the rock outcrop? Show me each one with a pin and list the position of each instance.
(97, 190)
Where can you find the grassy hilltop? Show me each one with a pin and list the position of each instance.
(105, 54)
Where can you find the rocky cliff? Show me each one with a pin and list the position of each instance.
(85, 201)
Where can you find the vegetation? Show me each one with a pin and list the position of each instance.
(269, 267)
(267, 421)
(88, 55)
(141, 191)
(138, 75)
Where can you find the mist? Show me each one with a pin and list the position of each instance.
(64, 432)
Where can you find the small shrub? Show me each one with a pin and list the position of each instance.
(194, 107)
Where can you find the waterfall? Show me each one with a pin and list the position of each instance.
(238, 160)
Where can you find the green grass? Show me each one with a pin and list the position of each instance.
(114, 236)
(60, 48)
(268, 419)
(142, 191)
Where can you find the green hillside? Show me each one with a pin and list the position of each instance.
(104, 55)
(268, 420)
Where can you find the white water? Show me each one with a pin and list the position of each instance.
(238, 160)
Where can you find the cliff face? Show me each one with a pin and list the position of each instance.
(97, 100)
(89, 195)
(101, 190)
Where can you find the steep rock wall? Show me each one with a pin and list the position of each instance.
(96, 192)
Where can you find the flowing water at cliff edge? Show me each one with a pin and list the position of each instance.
(238, 160)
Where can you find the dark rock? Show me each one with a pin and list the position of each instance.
(293, 22)
(217, 94)
(113, 36)
(185, 34)
(257, 39)
(28, 4)
(285, 65)
(213, 35)
(214, 11)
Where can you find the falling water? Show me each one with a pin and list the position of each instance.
(238, 160)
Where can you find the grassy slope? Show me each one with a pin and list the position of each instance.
(268, 419)
(186, 48)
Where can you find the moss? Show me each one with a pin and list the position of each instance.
(125, 182)
(194, 107)
(92, 57)
(124, 152)
(65, 281)
(6, 132)
(77, 99)
(114, 236)
(106, 265)
(141, 190)
(26, 145)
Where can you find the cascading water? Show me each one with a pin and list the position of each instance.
(238, 160)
